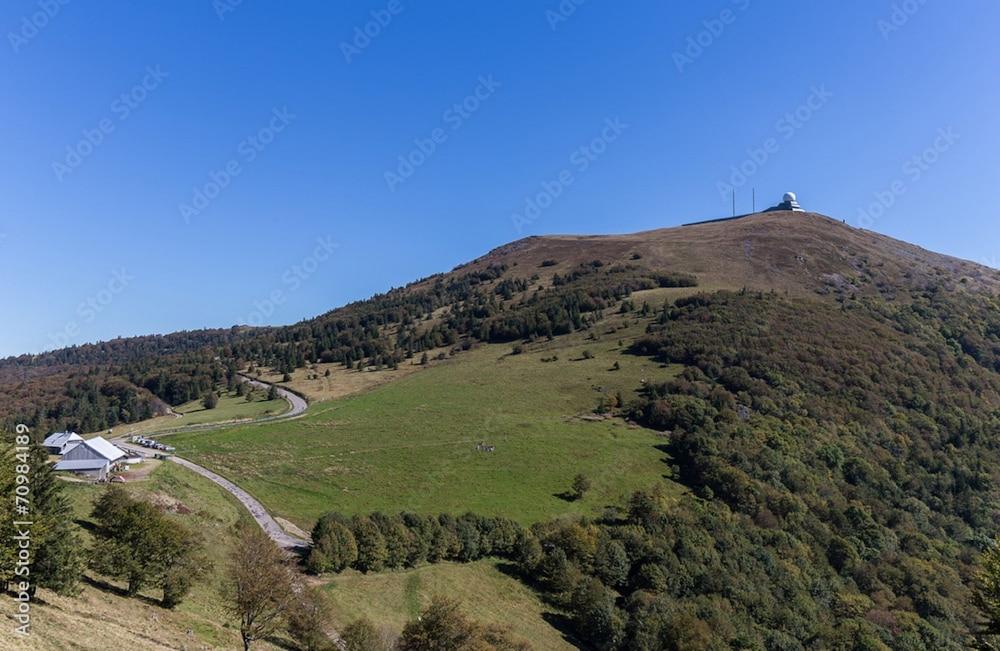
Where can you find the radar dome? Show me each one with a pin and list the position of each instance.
(789, 197)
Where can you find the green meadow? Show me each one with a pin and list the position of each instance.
(412, 444)
(486, 594)
(230, 407)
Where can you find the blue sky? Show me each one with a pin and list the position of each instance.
(172, 165)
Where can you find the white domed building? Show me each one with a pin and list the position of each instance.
(788, 202)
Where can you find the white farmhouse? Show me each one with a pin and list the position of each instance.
(61, 442)
(92, 458)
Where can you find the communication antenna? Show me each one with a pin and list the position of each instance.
(754, 200)
(734, 203)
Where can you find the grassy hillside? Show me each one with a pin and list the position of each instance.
(842, 466)
(487, 594)
(529, 287)
(101, 617)
(411, 444)
(802, 253)
(230, 408)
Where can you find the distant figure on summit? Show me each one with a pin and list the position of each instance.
(788, 202)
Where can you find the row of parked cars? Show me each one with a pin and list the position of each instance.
(152, 444)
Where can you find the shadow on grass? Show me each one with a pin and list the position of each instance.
(86, 525)
(282, 643)
(564, 625)
(511, 570)
(109, 588)
(566, 496)
(558, 621)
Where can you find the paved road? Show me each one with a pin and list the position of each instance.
(299, 405)
(257, 510)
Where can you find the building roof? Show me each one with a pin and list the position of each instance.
(105, 448)
(59, 439)
(82, 464)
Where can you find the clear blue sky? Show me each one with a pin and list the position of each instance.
(116, 115)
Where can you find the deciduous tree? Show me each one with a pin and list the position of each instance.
(259, 586)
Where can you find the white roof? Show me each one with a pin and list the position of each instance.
(59, 439)
(105, 448)
(82, 464)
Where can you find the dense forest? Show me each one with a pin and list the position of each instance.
(842, 465)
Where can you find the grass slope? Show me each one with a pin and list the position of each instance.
(230, 408)
(101, 618)
(411, 444)
(487, 595)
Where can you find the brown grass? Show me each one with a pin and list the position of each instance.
(784, 251)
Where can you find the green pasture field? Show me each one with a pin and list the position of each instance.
(412, 444)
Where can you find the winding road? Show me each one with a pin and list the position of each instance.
(256, 509)
(299, 405)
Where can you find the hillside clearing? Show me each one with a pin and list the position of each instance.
(411, 444)
(487, 595)
(230, 408)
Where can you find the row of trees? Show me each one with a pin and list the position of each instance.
(379, 541)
